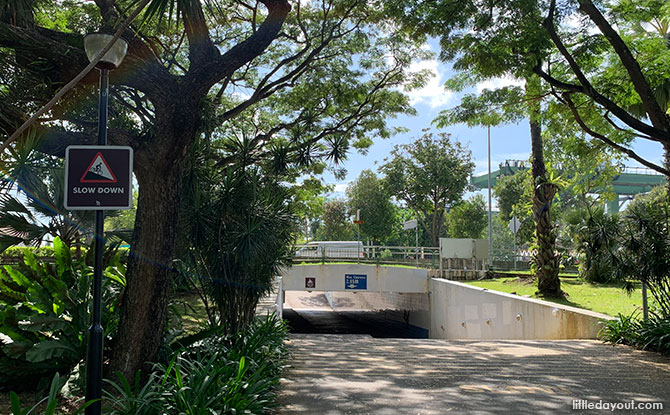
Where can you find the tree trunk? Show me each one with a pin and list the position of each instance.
(159, 169)
(546, 260)
(145, 298)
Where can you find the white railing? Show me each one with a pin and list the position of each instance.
(425, 256)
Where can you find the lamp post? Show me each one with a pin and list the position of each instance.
(489, 189)
(93, 44)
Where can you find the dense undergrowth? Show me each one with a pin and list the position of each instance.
(652, 334)
(218, 375)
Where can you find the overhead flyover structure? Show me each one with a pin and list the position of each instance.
(631, 181)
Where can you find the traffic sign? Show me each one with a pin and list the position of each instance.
(355, 282)
(410, 224)
(98, 177)
(514, 225)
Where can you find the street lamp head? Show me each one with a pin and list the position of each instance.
(95, 42)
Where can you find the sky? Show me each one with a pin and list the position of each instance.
(508, 142)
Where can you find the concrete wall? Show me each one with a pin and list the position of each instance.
(464, 248)
(331, 277)
(461, 311)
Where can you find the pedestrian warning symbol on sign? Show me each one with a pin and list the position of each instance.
(98, 172)
(98, 177)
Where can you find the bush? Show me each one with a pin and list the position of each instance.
(221, 374)
(653, 334)
(596, 239)
(44, 315)
(624, 330)
(644, 246)
(19, 251)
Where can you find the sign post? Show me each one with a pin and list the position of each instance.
(358, 223)
(413, 224)
(98, 178)
(514, 226)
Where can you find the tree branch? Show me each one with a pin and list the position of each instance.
(630, 153)
(656, 114)
(202, 78)
(201, 48)
(586, 87)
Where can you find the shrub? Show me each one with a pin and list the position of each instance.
(644, 252)
(652, 334)
(655, 334)
(596, 239)
(221, 374)
(44, 315)
(621, 331)
(237, 235)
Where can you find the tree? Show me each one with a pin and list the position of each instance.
(308, 201)
(491, 47)
(336, 225)
(284, 79)
(508, 191)
(612, 82)
(429, 175)
(368, 194)
(235, 253)
(644, 246)
(625, 100)
(467, 219)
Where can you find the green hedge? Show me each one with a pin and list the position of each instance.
(16, 254)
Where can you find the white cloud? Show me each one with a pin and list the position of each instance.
(339, 190)
(497, 83)
(433, 93)
(340, 187)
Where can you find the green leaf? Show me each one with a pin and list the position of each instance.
(17, 349)
(17, 277)
(62, 254)
(53, 395)
(49, 349)
(31, 260)
(16, 404)
(43, 322)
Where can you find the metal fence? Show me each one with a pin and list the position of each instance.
(425, 257)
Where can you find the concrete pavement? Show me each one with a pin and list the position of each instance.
(359, 374)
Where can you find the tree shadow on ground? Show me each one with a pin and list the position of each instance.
(340, 374)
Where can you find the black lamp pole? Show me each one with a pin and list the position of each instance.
(95, 332)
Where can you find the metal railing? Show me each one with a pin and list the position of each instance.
(425, 257)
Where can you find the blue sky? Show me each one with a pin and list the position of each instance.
(507, 141)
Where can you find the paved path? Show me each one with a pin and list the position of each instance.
(358, 375)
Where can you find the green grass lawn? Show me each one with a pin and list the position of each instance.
(603, 298)
(191, 311)
(527, 272)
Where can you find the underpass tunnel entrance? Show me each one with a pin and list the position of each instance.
(383, 315)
